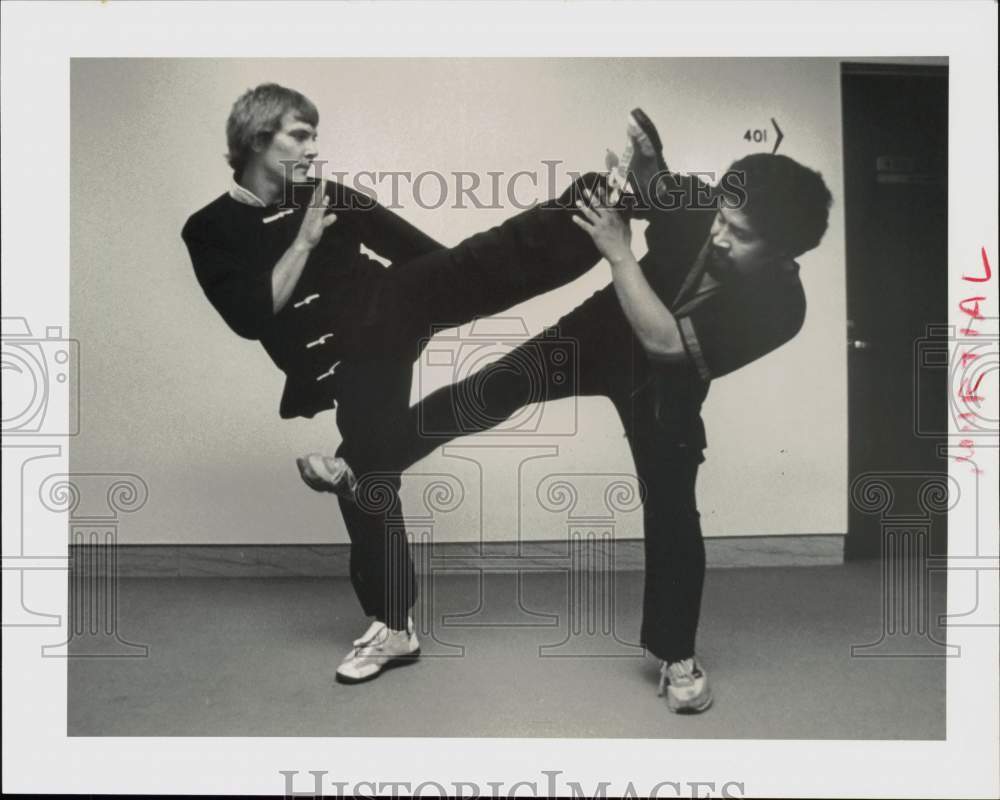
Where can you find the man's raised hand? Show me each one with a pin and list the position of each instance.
(316, 219)
(611, 234)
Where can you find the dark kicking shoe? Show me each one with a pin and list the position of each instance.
(642, 129)
(646, 166)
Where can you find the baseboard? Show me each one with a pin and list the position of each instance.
(302, 560)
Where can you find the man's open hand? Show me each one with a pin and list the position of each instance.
(316, 219)
(611, 234)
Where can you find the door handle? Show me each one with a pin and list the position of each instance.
(858, 344)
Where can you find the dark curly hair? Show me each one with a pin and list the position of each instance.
(256, 117)
(787, 204)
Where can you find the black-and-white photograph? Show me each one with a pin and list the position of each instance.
(506, 398)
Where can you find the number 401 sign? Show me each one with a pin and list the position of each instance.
(759, 135)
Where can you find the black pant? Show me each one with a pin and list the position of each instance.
(605, 359)
(531, 253)
(382, 575)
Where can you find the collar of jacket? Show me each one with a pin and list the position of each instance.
(243, 195)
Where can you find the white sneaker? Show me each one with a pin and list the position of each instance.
(373, 630)
(686, 686)
(379, 649)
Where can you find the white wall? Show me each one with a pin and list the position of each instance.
(169, 393)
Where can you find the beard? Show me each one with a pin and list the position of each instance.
(719, 264)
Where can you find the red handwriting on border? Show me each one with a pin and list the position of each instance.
(986, 267)
(970, 306)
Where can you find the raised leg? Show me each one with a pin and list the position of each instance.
(569, 359)
(531, 253)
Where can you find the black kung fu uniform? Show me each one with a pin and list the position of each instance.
(723, 327)
(352, 329)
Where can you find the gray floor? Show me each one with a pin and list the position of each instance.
(256, 657)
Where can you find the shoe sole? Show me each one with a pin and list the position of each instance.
(646, 125)
(398, 661)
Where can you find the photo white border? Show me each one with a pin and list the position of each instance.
(37, 42)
